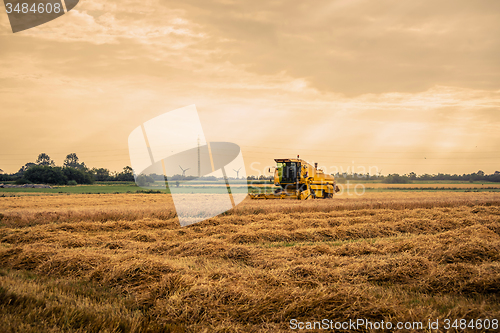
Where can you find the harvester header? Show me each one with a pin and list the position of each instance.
(297, 179)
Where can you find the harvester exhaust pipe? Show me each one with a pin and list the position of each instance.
(316, 166)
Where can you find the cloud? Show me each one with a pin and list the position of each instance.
(360, 47)
(377, 82)
(348, 47)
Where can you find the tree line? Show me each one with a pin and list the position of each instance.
(72, 172)
(395, 178)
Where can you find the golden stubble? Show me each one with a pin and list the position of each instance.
(121, 262)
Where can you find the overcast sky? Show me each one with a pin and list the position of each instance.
(397, 85)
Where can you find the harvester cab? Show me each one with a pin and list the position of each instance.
(297, 179)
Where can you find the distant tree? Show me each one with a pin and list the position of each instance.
(477, 176)
(397, 179)
(177, 177)
(209, 178)
(72, 161)
(78, 175)
(425, 177)
(481, 176)
(127, 175)
(44, 174)
(4, 176)
(494, 177)
(44, 159)
(101, 174)
(23, 169)
(158, 177)
(144, 180)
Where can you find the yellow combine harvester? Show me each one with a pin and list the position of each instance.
(297, 179)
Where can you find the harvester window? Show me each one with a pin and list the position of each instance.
(280, 167)
(289, 171)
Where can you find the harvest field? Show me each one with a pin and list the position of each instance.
(121, 262)
(352, 187)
